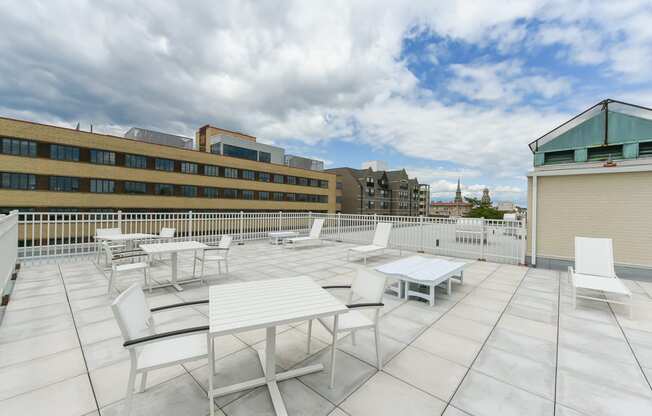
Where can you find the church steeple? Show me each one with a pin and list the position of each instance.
(458, 192)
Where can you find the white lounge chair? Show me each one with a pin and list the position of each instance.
(594, 272)
(121, 262)
(366, 292)
(218, 253)
(315, 232)
(149, 350)
(378, 245)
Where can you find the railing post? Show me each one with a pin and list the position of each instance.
(120, 220)
(421, 234)
(190, 224)
(241, 226)
(280, 220)
(339, 225)
(482, 234)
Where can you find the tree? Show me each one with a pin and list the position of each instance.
(485, 212)
(473, 201)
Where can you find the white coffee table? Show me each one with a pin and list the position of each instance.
(267, 304)
(173, 248)
(426, 271)
(276, 237)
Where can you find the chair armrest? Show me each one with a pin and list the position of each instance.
(337, 287)
(128, 256)
(216, 248)
(136, 342)
(365, 305)
(127, 252)
(178, 305)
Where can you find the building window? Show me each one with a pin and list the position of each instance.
(605, 153)
(263, 195)
(323, 199)
(371, 191)
(370, 180)
(18, 147)
(338, 185)
(564, 156)
(314, 182)
(323, 184)
(189, 191)
(230, 193)
(60, 152)
(239, 152)
(216, 148)
(210, 193)
(302, 197)
(249, 175)
(102, 186)
(277, 196)
(338, 200)
(645, 149)
(164, 164)
(292, 180)
(102, 157)
(231, 173)
(164, 189)
(303, 182)
(264, 177)
(264, 157)
(189, 167)
(135, 188)
(210, 170)
(291, 197)
(136, 161)
(278, 179)
(64, 184)
(371, 204)
(22, 181)
(247, 194)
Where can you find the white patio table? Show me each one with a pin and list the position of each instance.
(267, 304)
(173, 248)
(426, 271)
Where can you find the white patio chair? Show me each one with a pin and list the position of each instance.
(594, 271)
(219, 253)
(315, 232)
(149, 350)
(104, 232)
(124, 262)
(367, 292)
(378, 245)
(166, 234)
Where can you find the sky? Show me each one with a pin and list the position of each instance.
(443, 89)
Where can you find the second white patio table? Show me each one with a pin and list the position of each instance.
(173, 248)
(267, 304)
(426, 271)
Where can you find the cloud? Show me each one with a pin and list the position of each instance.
(445, 190)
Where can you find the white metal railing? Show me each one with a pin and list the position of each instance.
(8, 247)
(52, 234)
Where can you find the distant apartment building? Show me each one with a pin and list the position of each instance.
(424, 199)
(365, 191)
(303, 162)
(592, 177)
(455, 208)
(45, 167)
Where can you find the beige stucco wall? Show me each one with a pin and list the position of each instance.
(614, 205)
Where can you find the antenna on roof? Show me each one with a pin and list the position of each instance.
(91, 128)
(77, 128)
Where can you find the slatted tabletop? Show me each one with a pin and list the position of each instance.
(423, 269)
(251, 305)
(126, 237)
(172, 247)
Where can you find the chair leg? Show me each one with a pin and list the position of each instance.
(143, 382)
(194, 264)
(378, 355)
(203, 263)
(130, 389)
(108, 290)
(309, 336)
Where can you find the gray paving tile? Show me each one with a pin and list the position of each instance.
(457, 349)
(298, 399)
(463, 327)
(533, 348)
(385, 395)
(350, 373)
(481, 395)
(430, 373)
(37, 346)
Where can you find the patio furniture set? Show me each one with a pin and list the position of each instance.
(238, 307)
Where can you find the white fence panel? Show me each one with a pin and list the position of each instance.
(47, 235)
(8, 247)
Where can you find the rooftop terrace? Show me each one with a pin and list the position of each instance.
(506, 342)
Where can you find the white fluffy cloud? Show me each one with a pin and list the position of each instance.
(312, 71)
